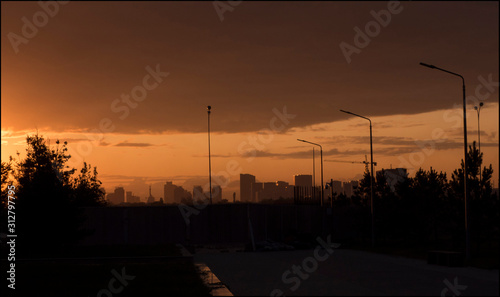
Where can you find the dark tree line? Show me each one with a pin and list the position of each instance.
(49, 197)
(429, 208)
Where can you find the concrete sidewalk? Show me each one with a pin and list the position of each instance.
(343, 272)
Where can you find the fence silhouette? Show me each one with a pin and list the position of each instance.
(218, 223)
(307, 195)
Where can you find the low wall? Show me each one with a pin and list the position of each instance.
(219, 223)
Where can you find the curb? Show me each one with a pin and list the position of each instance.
(217, 288)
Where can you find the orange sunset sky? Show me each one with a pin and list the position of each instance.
(79, 77)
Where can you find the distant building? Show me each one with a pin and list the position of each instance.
(302, 180)
(216, 194)
(355, 185)
(257, 190)
(284, 190)
(347, 189)
(246, 182)
(198, 193)
(131, 198)
(338, 187)
(150, 199)
(270, 191)
(175, 194)
(393, 176)
(168, 192)
(117, 197)
(350, 188)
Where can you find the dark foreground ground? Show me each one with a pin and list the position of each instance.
(343, 272)
(109, 271)
(163, 271)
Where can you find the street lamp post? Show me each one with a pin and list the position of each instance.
(371, 175)
(314, 172)
(209, 160)
(321, 150)
(478, 109)
(467, 235)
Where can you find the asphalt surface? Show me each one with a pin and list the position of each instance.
(342, 272)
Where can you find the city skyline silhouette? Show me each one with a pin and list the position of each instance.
(241, 148)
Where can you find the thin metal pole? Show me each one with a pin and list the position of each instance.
(479, 141)
(321, 149)
(331, 192)
(209, 158)
(314, 172)
(467, 231)
(371, 186)
(371, 174)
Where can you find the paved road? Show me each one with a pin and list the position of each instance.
(343, 272)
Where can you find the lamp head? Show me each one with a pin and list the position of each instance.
(481, 104)
(427, 65)
(475, 107)
(209, 107)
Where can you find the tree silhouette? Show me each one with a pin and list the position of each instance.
(476, 187)
(6, 173)
(364, 188)
(483, 204)
(421, 204)
(48, 199)
(88, 190)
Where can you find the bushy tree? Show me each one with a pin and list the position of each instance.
(422, 204)
(363, 190)
(87, 188)
(482, 203)
(48, 198)
(6, 176)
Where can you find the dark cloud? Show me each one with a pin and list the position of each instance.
(134, 144)
(264, 56)
(385, 146)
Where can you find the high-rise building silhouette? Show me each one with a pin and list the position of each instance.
(118, 196)
(198, 193)
(175, 194)
(302, 180)
(338, 187)
(393, 176)
(180, 194)
(168, 192)
(349, 188)
(270, 191)
(284, 190)
(216, 194)
(131, 198)
(246, 182)
(257, 190)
